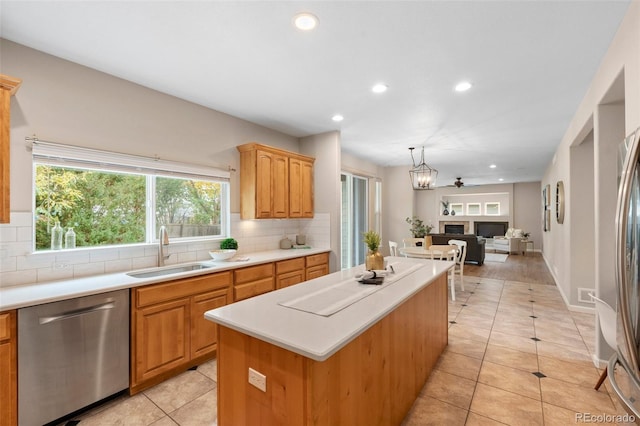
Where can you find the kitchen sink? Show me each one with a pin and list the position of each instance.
(168, 271)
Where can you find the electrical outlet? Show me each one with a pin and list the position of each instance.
(258, 379)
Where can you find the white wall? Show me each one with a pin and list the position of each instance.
(609, 124)
(398, 204)
(64, 102)
(610, 109)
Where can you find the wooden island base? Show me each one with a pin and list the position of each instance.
(373, 380)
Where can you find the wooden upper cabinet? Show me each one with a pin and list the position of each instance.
(300, 188)
(8, 87)
(274, 183)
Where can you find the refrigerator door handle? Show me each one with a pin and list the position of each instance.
(622, 207)
(628, 405)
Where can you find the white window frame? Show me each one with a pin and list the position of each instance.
(61, 155)
(457, 207)
(477, 212)
(487, 206)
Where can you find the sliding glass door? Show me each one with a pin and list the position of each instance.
(354, 218)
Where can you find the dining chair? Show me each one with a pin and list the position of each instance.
(393, 248)
(445, 252)
(607, 317)
(461, 255)
(413, 242)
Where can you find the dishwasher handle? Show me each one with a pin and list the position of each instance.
(77, 312)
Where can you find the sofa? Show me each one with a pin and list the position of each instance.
(510, 242)
(475, 245)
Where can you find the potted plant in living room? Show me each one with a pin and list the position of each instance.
(374, 259)
(418, 228)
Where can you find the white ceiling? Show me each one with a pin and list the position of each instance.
(530, 63)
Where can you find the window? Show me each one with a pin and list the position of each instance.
(492, 209)
(473, 209)
(122, 200)
(456, 208)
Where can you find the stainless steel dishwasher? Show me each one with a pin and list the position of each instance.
(71, 354)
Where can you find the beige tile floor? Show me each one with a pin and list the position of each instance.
(484, 377)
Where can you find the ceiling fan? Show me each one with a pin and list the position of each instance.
(458, 182)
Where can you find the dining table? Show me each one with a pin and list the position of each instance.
(436, 252)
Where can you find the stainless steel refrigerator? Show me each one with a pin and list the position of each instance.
(624, 365)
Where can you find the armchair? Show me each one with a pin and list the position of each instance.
(510, 242)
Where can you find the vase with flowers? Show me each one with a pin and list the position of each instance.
(373, 259)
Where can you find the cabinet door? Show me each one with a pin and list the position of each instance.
(204, 332)
(295, 187)
(290, 278)
(8, 370)
(306, 188)
(264, 184)
(280, 186)
(161, 338)
(317, 271)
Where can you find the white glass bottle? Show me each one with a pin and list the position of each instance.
(70, 239)
(56, 237)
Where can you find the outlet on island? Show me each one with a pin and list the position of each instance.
(258, 379)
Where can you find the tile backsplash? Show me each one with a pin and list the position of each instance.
(19, 265)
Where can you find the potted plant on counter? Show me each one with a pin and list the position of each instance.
(374, 259)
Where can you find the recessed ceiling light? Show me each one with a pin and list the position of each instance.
(379, 88)
(463, 86)
(493, 166)
(500, 179)
(337, 117)
(305, 21)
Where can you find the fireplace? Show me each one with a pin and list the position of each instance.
(491, 229)
(453, 229)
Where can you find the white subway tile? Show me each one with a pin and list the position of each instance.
(8, 264)
(104, 255)
(35, 262)
(144, 262)
(120, 265)
(88, 269)
(21, 219)
(8, 233)
(24, 234)
(9, 279)
(54, 274)
(187, 257)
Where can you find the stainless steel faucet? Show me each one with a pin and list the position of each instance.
(163, 241)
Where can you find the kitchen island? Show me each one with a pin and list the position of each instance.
(331, 351)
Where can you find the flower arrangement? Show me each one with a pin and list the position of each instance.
(418, 228)
(372, 240)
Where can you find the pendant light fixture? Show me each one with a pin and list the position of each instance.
(422, 176)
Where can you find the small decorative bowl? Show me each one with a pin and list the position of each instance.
(225, 254)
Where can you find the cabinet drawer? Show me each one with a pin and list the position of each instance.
(317, 259)
(317, 271)
(5, 326)
(253, 273)
(290, 265)
(156, 293)
(244, 291)
(289, 278)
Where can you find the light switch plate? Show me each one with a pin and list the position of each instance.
(258, 379)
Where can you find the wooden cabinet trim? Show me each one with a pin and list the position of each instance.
(5, 326)
(257, 146)
(254, 288)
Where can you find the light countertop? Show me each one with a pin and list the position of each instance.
(319, 336)
(35, 294)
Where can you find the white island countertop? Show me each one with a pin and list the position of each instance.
(318, 336)
(21, 296)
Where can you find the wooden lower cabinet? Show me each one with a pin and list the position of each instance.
(252, 281)
(290, 272)
(168, 331)
(8, 369)
(317, 265)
